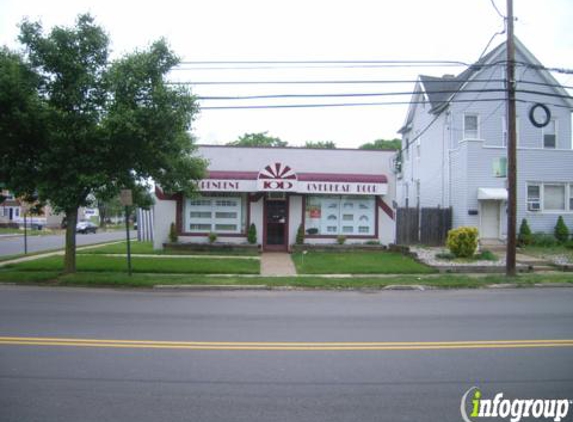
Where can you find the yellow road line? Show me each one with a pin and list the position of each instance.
(286, 346)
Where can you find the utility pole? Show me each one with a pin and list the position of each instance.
(511, 148)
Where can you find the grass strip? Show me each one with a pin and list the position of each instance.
(359, 262)
(95, 263)
(115, 279)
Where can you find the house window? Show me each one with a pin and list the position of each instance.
(551, 197)
(554, 197)
(550, 135)
(500, 167)
(533, 197)
(418, 149)
(471, 126)
(219, 214)
(334, 215)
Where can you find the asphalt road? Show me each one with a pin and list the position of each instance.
(161, 382)
(15, 245)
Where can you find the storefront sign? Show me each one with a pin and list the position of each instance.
(279, 177)
(214, 185)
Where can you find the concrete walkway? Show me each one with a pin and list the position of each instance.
(277, 264)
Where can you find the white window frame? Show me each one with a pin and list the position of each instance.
(477, 130)
(565, 197)
(541, 207)
(349, 220)
(214, 205)
(555, 134)
(534, 205)
(504, 131)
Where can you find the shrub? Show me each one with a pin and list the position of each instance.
(252, 234)
(463, 241)
(173, 233)
(340, 239)
(300, 235)
(486, 255)
(543, 240)
(212, 237)
(447, 256)
(561, 231)
(524, 236)
(569, 245)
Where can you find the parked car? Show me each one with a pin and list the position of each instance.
(85, 227)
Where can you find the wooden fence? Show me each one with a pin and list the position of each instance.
(427, 226)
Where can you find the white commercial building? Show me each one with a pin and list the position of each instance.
(329, 192)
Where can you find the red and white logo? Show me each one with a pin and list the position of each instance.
(277, 177)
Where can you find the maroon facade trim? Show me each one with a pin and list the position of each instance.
(237, 175)
(385, 207)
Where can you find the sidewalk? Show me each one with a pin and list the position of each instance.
(277, 264)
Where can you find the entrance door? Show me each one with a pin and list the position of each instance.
(490, 219)
(275, 225)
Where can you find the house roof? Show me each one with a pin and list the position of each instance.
(441, 90)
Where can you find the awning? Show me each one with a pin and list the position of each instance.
(492, 194)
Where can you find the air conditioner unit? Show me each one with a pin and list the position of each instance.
(533, 206)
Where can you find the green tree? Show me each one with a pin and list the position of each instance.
(561, 231)
(86, 127)
(392, 144)
(524, 237)
(260, 139)
(320, 144)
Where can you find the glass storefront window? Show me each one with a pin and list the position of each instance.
(335, 215)
(216, 213)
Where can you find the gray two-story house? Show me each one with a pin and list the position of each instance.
(454, 150)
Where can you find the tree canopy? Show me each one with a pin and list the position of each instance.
(392, 144)
(74, 125)
(320, 144)
(260, 139)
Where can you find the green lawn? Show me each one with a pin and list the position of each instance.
(145, 265)
(106, 279)
(548, 251)
(359, 262)
(146, 248)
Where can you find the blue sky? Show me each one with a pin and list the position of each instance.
(310, 30)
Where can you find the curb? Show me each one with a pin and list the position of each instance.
(207, 287)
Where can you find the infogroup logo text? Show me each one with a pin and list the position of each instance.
(514, 409)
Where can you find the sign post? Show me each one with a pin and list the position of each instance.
(24, 210)
(126, 199)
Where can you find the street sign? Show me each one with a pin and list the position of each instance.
(126, 197)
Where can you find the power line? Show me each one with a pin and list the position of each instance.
(381, 94)
(355, 82)
(366, 94)
(322, 62)
(321, 105)
(497, 10)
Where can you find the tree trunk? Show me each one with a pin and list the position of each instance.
(70, 257)
(102, 215)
